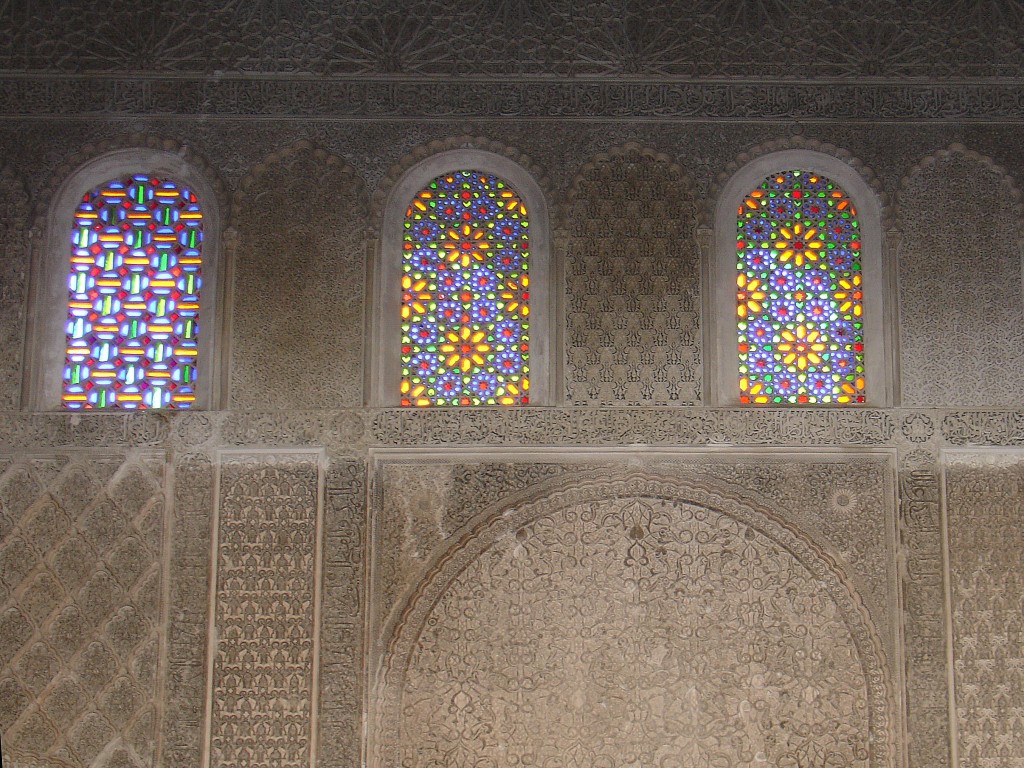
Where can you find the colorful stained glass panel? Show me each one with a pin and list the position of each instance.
(133, 296)
(465, 294)
(800, 304)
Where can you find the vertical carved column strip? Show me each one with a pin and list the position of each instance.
(341, 652)
(186, 634)
(262, 695)
(925, 627)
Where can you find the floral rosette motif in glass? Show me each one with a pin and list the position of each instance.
(465, 294)
(800, 310)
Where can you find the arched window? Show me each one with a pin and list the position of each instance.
(462, 311)
(133, 304)
(800, 290)
(800, 306)
(465, 294)
(123, 292)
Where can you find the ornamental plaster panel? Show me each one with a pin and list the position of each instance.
(960, 217)
(265, 606)
(982, 520)
(297, 323)
(843, 498)
(14, 264)
(632, 283)
(593, 556)
(924, 628)
(342, 659)
(82, 608)
(188, 627)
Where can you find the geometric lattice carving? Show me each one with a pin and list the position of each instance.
(961, 237)
(264, 654)
(633, 285)
(13, 270)
(300, 256)
(638, 621)
(985, 509)
(80, 600)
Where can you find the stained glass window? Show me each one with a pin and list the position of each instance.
(465, 294)
(799, 295)
(133, 304)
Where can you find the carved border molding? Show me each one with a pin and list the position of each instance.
(518, 509)
(66, 96)
(357, 428)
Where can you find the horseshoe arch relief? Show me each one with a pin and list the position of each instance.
(633, 621)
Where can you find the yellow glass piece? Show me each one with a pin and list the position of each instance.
(466, 245)
(748, 295)
(849, 296)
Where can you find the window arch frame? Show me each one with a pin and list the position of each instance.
(48, 297)
(385, 364)
(875, 271)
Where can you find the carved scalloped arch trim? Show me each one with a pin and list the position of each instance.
(933, 157)
(282, 155)
(798, 142)
(623, 150)
(11, 180)
(420, 153)
(515, 510)
(131, 141)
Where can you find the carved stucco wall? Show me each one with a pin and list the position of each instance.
(13, 283)
(81, 619)
(983, 512)
(263, 676)
(356, 37)
(846, 500)
(299, 265)
(637, 619)
(231, 85)
(632, 284)
(961, 223)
